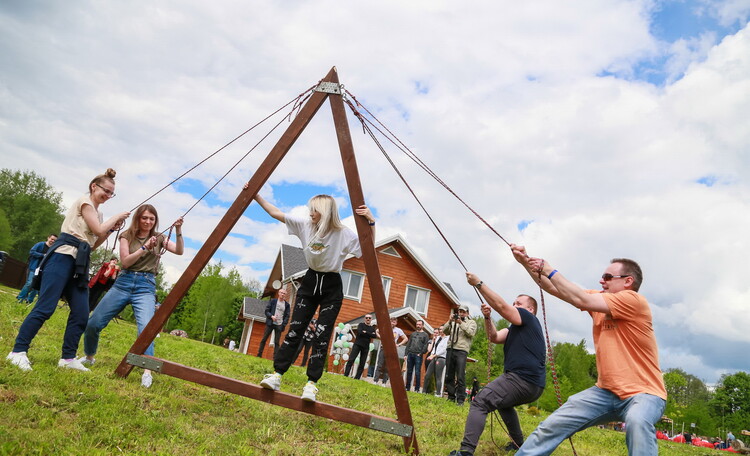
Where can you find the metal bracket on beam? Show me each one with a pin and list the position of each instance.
(144, 362)
(329, 87)
(402, 430)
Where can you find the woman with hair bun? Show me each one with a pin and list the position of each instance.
(64, 272)
(140, 247)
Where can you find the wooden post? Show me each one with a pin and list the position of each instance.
(369, 256)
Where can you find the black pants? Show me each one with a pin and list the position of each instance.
(276, 338)
(455, 375)
(502, 394)
(362, 352)
(306, 344)
(319, 289)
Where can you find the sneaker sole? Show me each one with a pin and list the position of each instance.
(307, 398)
(268, 387)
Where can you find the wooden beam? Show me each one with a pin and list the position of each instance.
(290, 401)
(369, 256)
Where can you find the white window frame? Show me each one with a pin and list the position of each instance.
(386, 281)
(345, 286)
(426, 302)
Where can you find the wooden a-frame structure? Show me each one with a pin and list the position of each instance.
(329, 88)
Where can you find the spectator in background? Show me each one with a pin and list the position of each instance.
(460, 330)
(103, 280)
(436, 358)
(277, 316)
(415, 350)
(401, 340)
(361, 346)
(307, 341)
(27, 293)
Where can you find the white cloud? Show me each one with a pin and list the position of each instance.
(502, 100)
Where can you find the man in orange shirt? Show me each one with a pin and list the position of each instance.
(630, 386)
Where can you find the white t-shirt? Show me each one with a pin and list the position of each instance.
(326, 254)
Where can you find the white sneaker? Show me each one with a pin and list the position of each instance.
(146, 380)
(309, 392)
(87, 362)
(72, 364)
(19, 359)
(271, 381)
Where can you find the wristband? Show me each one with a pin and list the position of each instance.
(143, 247)
(551, 274)
(178, 234)
(479, 285)
(371, 223)
(112, 230)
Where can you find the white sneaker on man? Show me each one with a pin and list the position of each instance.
(87, 362)
(271, 381)
(72, 364)
(19, 359)
(146, 380)
(309, 392)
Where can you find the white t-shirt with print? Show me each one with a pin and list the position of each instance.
(326, 254)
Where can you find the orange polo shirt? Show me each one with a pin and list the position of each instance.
(626, 354)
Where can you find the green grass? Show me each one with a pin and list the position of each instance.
(53, 411)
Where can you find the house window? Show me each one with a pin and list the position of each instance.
(417, 299)
(386, 286)
(352, 283)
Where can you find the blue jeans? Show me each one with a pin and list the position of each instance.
(136, 288)
(27, 293)
(595, 406)
(57, 281)
(413, 362)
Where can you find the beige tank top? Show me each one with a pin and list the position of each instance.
(75, 224)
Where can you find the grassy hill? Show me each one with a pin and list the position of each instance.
(53, 411)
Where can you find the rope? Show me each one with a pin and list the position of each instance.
(367, 129)
(295, 100)
(366, 123)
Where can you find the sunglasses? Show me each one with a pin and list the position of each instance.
(607, 277)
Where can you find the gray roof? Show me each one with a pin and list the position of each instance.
(254, 308)
(450, 287)
(292, 261)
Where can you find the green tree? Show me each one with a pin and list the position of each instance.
(575, 369)
(213, 300)
(731, 401)
(33, 209)
(6, 235)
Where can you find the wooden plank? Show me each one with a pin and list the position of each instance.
(279, 398)
(370, 258)
(226, 224)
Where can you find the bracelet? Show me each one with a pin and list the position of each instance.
(479, 285)
(143, 247)
(178, 234)
(551, 274)
(371, 223)
(112, 230)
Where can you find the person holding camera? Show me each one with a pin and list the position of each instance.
(630, 386)
(524, 375)
(460, 330)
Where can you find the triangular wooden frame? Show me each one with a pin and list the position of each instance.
(328, 89)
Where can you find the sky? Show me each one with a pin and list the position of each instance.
(608, 129)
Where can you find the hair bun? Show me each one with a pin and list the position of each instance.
(111, 173)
